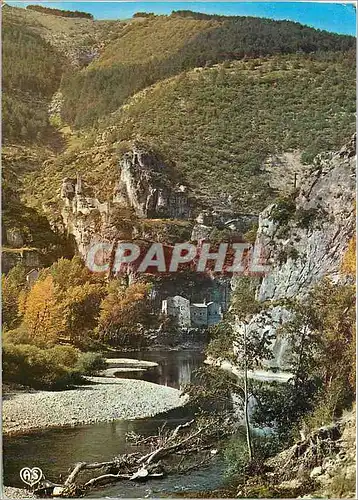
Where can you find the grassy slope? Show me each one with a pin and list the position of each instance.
(159, 47)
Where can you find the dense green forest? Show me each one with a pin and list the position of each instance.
(31, 74)
(163, 46)
(60, 12)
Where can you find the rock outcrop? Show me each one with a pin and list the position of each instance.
(323, 463)
(146, 190)
(147, 186)
(85, 217)
(29, 258)
(235, 224)
(305, 237)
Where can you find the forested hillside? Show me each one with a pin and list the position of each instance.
(31, 74)
(163, 46)
(215, 95)
(60, 12)
(219, 124)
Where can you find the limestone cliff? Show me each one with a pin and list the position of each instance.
(147, 185)
(145, 193)
(305, 237)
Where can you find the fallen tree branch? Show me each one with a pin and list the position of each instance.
(100, 479)
(165, 450)
(137, 467)
(179, 428)
(71, 478)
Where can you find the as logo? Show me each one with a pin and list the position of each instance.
(31, 476)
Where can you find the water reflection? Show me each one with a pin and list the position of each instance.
(175, 367)
(56, 450)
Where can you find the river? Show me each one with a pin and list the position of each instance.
(56, 450)
(175, 367)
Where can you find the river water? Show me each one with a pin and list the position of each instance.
(56, 450)
(176, 368)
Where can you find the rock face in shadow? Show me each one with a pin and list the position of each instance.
(305, 239)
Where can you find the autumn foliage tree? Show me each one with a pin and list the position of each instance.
(67, 273)
(63, 304)
(81, 308)
(69, 303)
(43, 314)
(123, 312)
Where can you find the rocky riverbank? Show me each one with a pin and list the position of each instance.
(14, 493)
(103, 399)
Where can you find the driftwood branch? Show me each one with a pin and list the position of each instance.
(84, 466)
(101, 479)
(71, 478)
(137, 467)
(165, 450)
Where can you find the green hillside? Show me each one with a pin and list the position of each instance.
(60, 12)
(37, 49)
(219, 124)
(162, 46)
(31, 74)
(191, 86)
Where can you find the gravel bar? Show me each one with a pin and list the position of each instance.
(14, 493)
(103, 400)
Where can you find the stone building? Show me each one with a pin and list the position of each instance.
(32, 276)
(178, 203)
(199, 314)
(205, 314)
(75, 200)
(177, 308)
(191, 315)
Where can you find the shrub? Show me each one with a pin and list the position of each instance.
(236, 453)
(17, 336)
(40, 368)
(235, 456)
(250, 235)
(306, 218)
(54, 368)
(65, 355)
(287, 253)
(283, 210)
(90, 363)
